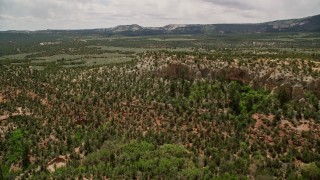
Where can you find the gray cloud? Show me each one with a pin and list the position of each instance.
(75, 14)
(236, 4)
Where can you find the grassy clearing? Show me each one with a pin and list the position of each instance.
(73, 57)
(101, 61)
(139, 50)
(171, 39)
(67, 60)
(15, 56)
(123, 49)
(56, 57)
(111, 38)
(39, 68)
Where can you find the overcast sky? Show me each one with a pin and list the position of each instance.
(85, 14)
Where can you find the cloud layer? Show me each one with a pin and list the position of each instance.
(84, 14)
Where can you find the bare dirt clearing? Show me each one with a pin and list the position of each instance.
(2, 98)
(19, 113)
(56, 163)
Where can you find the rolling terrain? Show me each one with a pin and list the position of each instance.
(307, 24)
(178, 102)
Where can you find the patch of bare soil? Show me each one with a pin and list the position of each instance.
(4, 117)
(50, 139)
(257, 132)
(89, 178)
(77, 150)
(19, 112)
(286, 124)
(15, 167)
(44, 101)
(32, 95)
(298, 163)
(262, 130)
(2, 98)
(259, 120)
(304, 126)
(32, 159)
(5, 127)
(225, 135)
(56, 163)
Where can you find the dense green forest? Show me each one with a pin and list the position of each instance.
(159, 107)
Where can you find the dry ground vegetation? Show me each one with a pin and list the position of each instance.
(164, 115)
(229, 106)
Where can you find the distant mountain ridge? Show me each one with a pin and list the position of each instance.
(307, 24)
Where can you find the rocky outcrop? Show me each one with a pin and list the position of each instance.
(297, 91)
(237, 74)
(314, 86)
(271, 82)
(269, 74)
(287, 88)
(177, 70)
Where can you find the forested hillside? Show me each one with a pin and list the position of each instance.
(160, 107)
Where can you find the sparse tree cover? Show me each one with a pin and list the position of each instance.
(219, 109)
